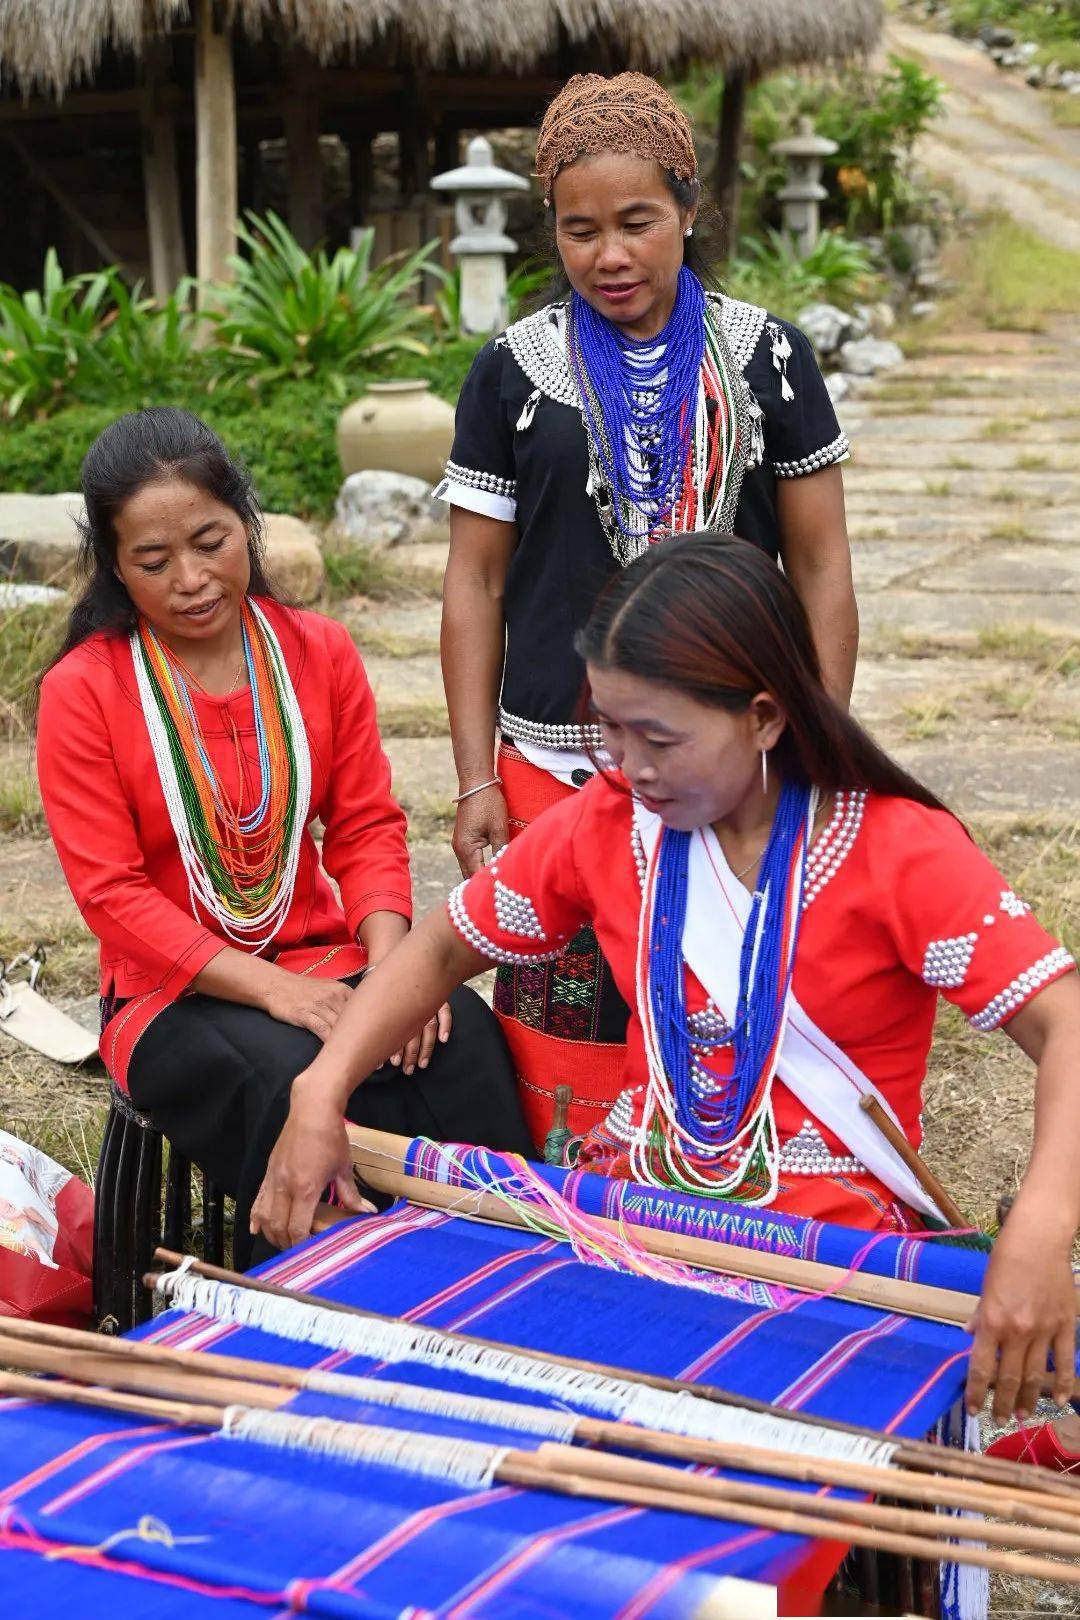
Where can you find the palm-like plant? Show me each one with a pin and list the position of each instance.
(290, 313)
(44, 336)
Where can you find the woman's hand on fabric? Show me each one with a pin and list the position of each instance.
(417, 1053)
(311, 1154)
(482, 820)
(314, 1004)
(1026, 1319)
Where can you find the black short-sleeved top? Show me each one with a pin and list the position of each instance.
(520, 454)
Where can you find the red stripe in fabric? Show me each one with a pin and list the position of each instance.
(665, 1578)
(835, 1359)
(464, 1284)
(909, 1405)
(537, 1547)
(122, 1465)
(402, 1534)
(68, 1458)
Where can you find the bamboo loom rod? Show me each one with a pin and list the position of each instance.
(916, 1454)
(564, 1470)
(131, 1362)
(914, 1161)
(379, 1156)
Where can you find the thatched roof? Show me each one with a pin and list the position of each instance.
(52, 44)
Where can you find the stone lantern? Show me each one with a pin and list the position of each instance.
(803, 155)
(481, 244)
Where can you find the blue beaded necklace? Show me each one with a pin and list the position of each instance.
(765, 968)
(640, 400)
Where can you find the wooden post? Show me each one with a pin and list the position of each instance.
(727, 178)
(303, 159)
(215, 143)
(447, 147)
(161, 176)
(414, 165)
(361, 179)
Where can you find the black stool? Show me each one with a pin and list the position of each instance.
(128, 1219)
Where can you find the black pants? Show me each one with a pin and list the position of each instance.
(215, 1079)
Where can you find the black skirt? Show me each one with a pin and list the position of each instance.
(215, 1078)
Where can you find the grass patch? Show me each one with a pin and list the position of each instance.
(1004, 495)
(413, 720)
(997, 428)
(937, 486)
(375, 642)
(1010, 531)
(961, 464)
(20, 801)
(1009, 279)
(1029, 462)
(430, 816)
(29, 636)
(1028, 644)
(374, 574)
(927, 717)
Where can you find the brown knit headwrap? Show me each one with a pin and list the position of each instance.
(629, 113)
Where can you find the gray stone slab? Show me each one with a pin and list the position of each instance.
(435, 873)
(883, 686)
(866, 480)
(977, 778)
(904, 519)
(405, 680)
(1002, 570)
(878, 564)
(919, 457)
(961, 615)
(919, 428)
(413, 619)
(422, 766)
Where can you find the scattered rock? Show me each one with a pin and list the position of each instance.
(294, 557)
(996, 38)
(922, 307)
(17, 596)
(919, 242)
(825, 326)
(1028, 50)
(880, 318)
(389, 509)
(928, 278)
(1036, 75)
(865, 356)
(38, 537)
(1070, 79)
(837, 386)
(1051, 76)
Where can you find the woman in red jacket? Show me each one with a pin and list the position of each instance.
(191, 731)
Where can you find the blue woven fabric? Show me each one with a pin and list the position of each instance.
(279, 1533)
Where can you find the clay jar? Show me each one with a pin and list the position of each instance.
(398, 426)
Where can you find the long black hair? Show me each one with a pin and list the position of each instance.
(714, 617)
(147, 447)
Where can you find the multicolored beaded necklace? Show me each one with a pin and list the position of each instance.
(720, 1139)
(240, 864)
(660, 417)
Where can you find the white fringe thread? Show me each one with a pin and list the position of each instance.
(469, 1463)
(627, 1401)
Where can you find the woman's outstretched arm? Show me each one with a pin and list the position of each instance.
(393, 1000)
(1028, 1306)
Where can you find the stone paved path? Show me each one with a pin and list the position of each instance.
(998, 139)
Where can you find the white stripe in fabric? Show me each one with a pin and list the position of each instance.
(459, 1462)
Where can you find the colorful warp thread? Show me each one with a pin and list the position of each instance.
(240, 862)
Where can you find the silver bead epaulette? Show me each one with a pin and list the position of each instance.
(946, 961)
(539, 350)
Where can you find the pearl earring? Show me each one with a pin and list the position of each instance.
(689, 231)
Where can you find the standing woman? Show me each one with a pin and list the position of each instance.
(191, 730)
(638, 406)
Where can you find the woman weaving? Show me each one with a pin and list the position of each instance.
(190, 732)
(781, 905)
(636, 406)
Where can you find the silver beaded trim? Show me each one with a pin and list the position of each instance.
(808, 1154)
(478, 939)
(1012, 904)
(834, 846)
(946, 961)
(1006, 1002)
(837, 450)
(516, 914)
(743, 325)
(540, 350)
(473, 478)
(579, 738)
(539, 347)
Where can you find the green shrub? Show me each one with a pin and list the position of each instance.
(875, 119)
(289, 313)
(44, 335)
(768, 271)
